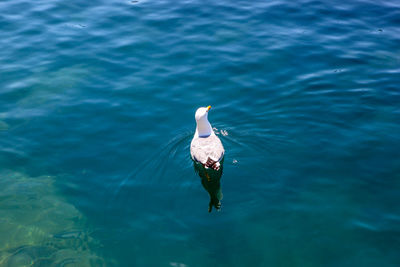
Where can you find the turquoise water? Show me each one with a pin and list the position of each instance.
(97, 103)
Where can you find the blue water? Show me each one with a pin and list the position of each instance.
(97, 102)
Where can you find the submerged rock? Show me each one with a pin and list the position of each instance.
(39, 227)
(3, 126)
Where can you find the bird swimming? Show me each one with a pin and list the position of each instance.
(207, 153)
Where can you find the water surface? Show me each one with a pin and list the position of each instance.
(97, 103)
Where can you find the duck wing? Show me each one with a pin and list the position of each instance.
(207, 150)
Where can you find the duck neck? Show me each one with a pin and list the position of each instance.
(203, 128)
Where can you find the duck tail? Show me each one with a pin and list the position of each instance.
(215, 165)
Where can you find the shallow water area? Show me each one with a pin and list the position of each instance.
(39, 227)
(97, 103)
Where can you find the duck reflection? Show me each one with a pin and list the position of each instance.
(211, 181)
